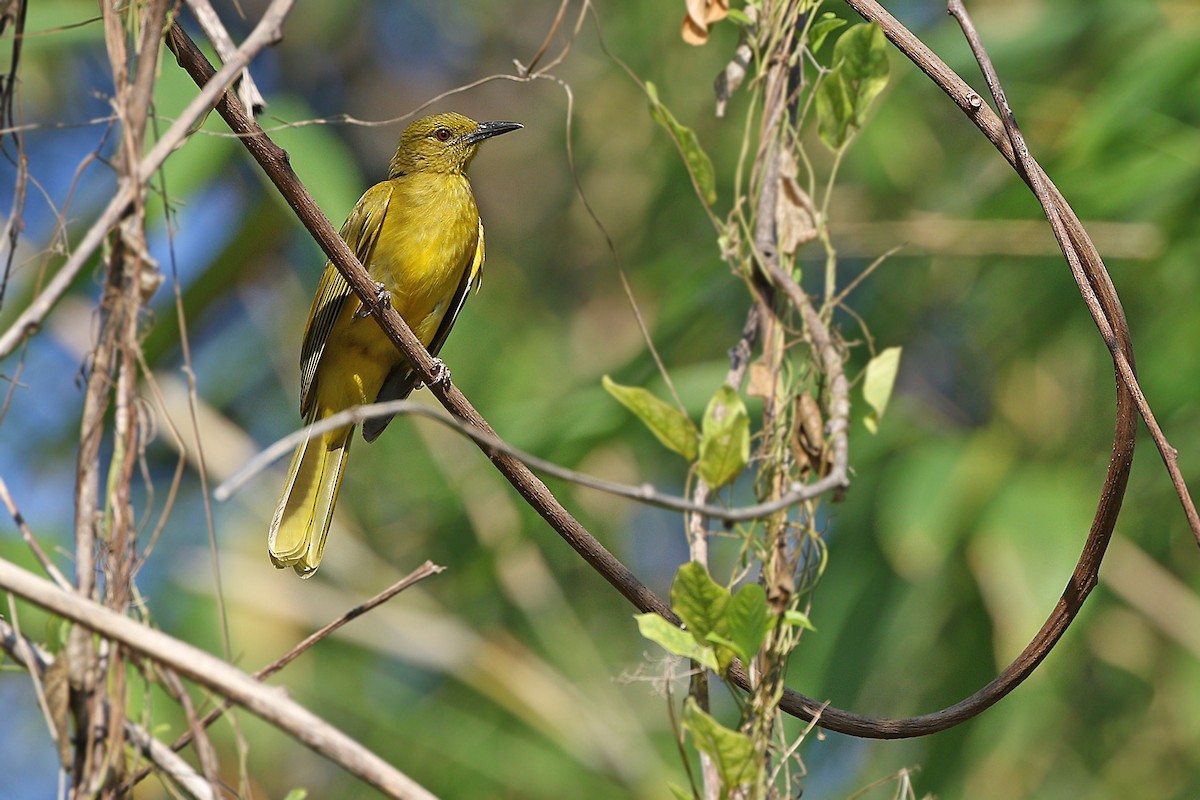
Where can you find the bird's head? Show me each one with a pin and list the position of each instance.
(443, 143)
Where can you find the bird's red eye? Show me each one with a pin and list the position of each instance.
(442, 134)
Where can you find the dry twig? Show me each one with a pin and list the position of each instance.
(213, 28)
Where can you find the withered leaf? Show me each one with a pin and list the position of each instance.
(795, 215)
(702, 15)
(761, 381)
(808, 444)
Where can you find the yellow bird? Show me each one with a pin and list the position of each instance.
(420, 237)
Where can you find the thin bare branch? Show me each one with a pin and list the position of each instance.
(622, 275)
(215, 30)
(493, 444)
(862, 276)
(426, 570)
(525, 69)
(168, 763)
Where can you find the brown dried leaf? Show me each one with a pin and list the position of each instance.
(795, 215)
(761, 382)
(702, 15)
(696, 11)
(808, 444)
(812, 426)
(693, 33)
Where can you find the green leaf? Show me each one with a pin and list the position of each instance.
(827, 24)
(748, 621)
(698, 163)
(878, 383)
(699, 600)
(799, 619)
(674, 640)
(732, 752)
(859, 74)
(724, 438)
(668, 424)
(835, 111)
(296, 794)
(862, 54)
(723, 641)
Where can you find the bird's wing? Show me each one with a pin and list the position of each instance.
(401, 380)
(470, 279)
(360, 232)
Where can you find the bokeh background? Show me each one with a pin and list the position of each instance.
(518, 672)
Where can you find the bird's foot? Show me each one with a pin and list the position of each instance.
(382, 296)
(441, 374)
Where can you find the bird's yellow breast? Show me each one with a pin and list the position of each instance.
(427, 241)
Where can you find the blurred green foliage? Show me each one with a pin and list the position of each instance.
(518, 672)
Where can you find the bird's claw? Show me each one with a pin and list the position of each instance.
(382, 296)
(441, 374)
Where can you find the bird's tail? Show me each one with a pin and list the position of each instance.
(301, 522)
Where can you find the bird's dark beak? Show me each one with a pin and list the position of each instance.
(487, 130)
